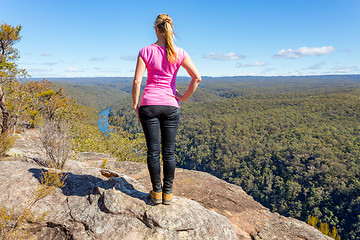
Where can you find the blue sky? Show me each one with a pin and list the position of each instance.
(96, 38)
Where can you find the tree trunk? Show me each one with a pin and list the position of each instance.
(5, 113)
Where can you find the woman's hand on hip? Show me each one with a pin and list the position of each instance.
(136, 108)
(178, 96)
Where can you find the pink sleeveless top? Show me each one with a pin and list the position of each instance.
(161, 76)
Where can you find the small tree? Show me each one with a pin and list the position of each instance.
(54, 138)
(323, 227)
(9, 70)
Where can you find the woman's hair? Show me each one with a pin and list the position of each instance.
(164, 25)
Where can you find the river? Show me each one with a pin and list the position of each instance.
(103, 121)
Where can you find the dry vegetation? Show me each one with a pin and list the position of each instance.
(14, 221)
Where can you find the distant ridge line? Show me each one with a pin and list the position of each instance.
(107, 80)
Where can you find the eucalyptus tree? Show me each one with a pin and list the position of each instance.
(9, 69)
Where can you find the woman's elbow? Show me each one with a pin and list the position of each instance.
(136, 82)
(198, 79)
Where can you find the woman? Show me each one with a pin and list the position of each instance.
(159, 106)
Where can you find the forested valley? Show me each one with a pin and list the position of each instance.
(292, 143)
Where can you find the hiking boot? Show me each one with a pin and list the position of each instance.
(166, 198)
(155, 197)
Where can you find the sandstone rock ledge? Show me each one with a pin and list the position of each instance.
(90, 207)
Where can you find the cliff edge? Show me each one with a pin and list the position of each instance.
(91, 206)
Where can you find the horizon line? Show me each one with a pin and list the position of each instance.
(206, 76)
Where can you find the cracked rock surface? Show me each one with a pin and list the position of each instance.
(90, 207)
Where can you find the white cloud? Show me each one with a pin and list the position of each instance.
(316, 66)
(224, 56)
(342, 69)
(253, 64)
(107, 70)
(71, 69)
(268, 70)
(39, 70)
(46, 54)
(128, 58)
(97, 59)
(349, 50)
(304, 51)
(28, 63)
(50, 63)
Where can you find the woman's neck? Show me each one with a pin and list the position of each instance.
(160, 42)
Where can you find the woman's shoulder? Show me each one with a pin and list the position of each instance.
(147, 51)
(151, 46)
(180, 52)
(179, 49)
(154, 46)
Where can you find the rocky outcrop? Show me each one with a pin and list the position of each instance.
(250, 220)
(90, 206)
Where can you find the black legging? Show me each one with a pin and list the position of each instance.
(156, 118)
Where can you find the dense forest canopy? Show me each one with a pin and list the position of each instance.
(97, 97)
(293, 143)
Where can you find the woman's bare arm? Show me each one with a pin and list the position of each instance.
(195, 79)
(139, 72)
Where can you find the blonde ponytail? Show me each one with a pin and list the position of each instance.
(164, 24)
